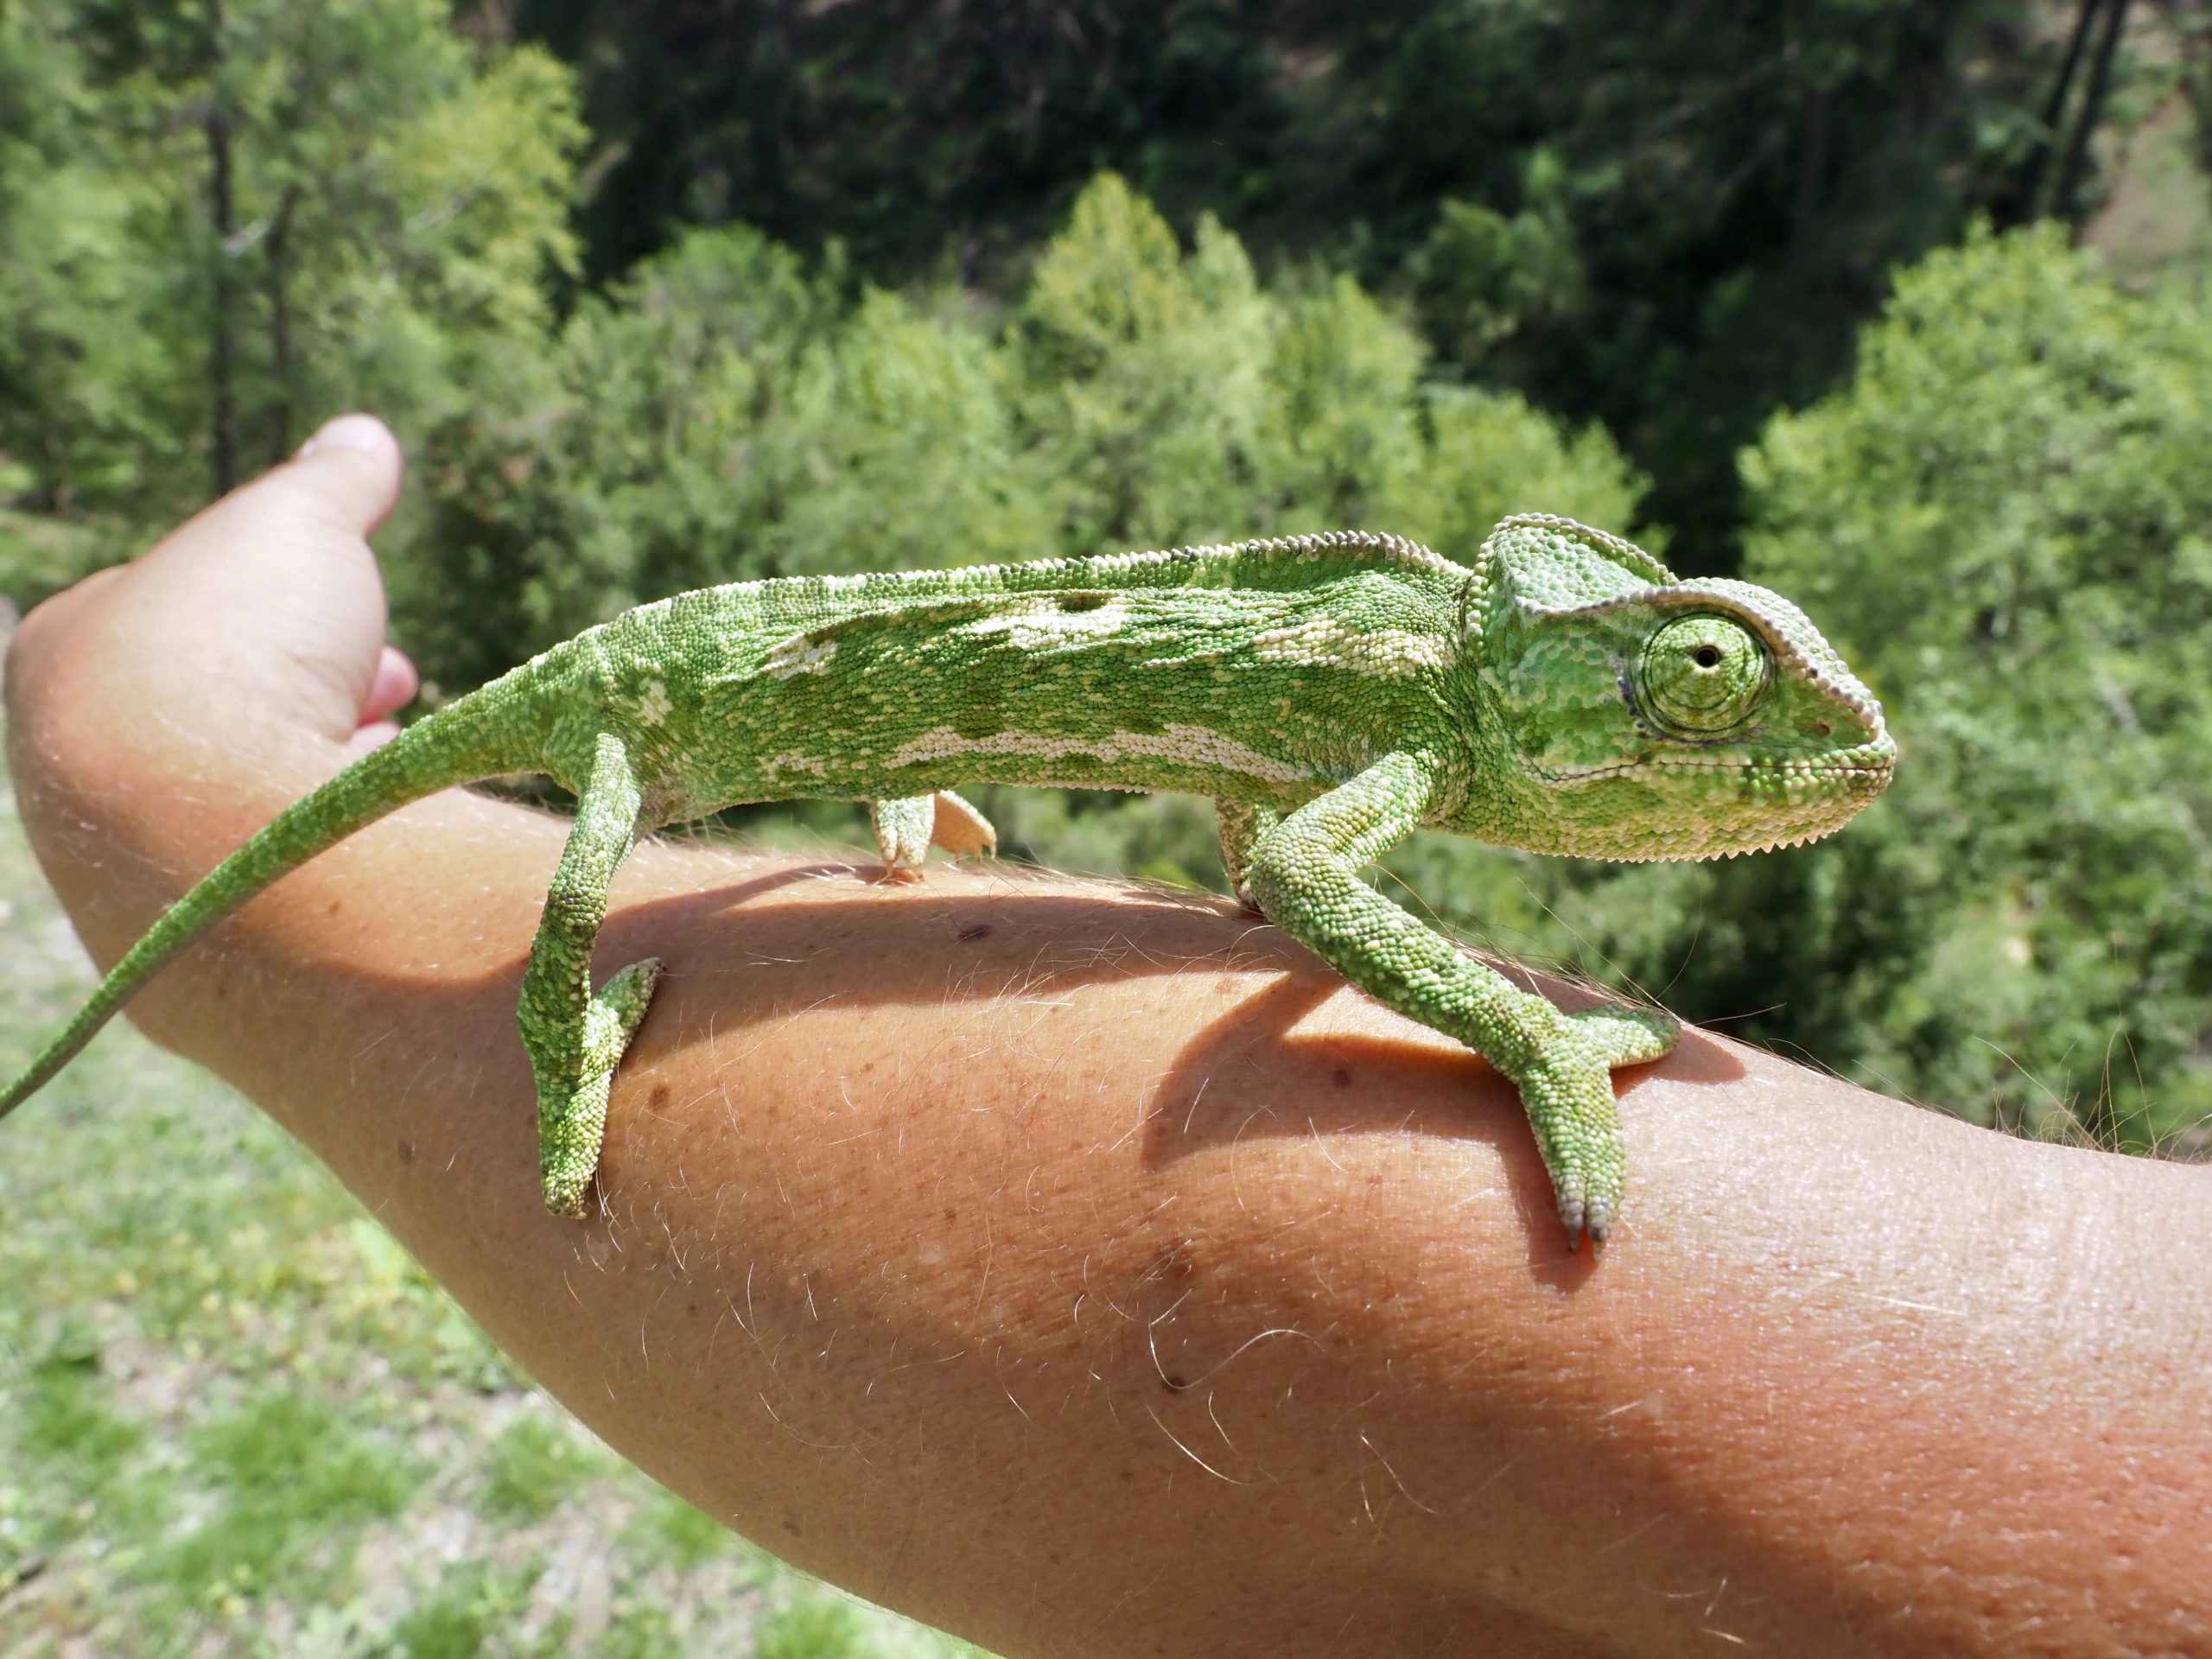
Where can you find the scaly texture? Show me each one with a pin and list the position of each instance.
(1330, 693)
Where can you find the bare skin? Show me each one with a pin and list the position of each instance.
(1093, 1273)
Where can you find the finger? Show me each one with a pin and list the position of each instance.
(352, 465)
(374, 735)
(269, 602)
(394, 687)
(334, 493)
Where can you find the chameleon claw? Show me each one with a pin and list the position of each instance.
(1571, 1217)
(1598, 1226)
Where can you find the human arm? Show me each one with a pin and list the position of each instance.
(1093, 1272)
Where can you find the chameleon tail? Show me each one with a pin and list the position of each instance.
(451, 746)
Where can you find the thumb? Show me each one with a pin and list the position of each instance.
(260, 621)
(334, 492)
(351, 468)
(273, 589)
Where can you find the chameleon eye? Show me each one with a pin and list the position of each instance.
(1702, 675)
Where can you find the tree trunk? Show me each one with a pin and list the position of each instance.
(2020, 207)
(54, 481)
(283, 416)
(222, 349)
(2093, 108)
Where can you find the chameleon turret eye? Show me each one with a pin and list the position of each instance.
(1701, 676)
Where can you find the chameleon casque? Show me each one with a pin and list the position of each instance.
(1331, 693)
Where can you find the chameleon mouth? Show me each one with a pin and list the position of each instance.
(1861, 769)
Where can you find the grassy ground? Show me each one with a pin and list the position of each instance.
(235, 1418)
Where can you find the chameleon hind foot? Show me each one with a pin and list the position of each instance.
(573, 1035)
(1241, 825)
(958, 828)
(572, 1096)
(906, 827)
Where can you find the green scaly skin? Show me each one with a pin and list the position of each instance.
(1332, 693)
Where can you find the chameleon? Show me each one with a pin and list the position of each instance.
(1564, 694)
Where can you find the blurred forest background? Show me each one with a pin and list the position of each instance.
(1904, 308)
(1900, 308)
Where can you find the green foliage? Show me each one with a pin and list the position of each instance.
(83, 384)
(466, 1614)
(688, 1536)
(617, 466)
(1140, 374)
(725, 414)
(219, 223)
(1488, 454)
(536, 1463)
(1339, 428)
(67, 1414)
(278, 1458)
(1672, 218)
(812, 1629)
(1483, 275)
(2005, 520)
(914, 132)
(1166, 838)
(1668, 218)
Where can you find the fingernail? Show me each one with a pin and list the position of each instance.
(350, 432)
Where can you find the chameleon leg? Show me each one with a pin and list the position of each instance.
(906, 827)
(1305, 873)
(902, 833)
(960, 828)
(574, 1037)
(1241, 827)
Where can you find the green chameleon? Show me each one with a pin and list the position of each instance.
(1330, 693)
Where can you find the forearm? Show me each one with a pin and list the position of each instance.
(1096, 1274)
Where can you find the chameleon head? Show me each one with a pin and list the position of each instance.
(1644, 717)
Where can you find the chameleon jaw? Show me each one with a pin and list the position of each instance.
(1794, 802)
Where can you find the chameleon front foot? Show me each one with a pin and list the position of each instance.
(1568, 1094)
(572, 1087)
(1569, 1101)
(1629, 1036)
